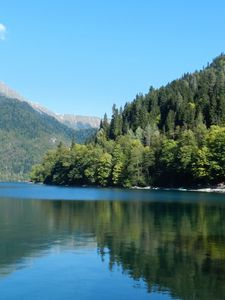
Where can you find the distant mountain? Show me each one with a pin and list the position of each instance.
(6, 91)
(25, 135)
(27, 132)
(72, 121)
(79, 122)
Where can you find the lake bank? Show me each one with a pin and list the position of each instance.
(219, 188)
(207, 189)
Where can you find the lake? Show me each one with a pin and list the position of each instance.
(92, 243)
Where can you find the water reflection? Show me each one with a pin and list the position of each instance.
(175, 247)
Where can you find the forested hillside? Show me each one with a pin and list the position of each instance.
(195, 99)
(171, 136)
(25, 135)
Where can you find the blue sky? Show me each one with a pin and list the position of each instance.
(81, 56)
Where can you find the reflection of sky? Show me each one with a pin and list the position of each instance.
(73, 243)
(78, 274)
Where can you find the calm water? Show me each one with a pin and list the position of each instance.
(84, 243)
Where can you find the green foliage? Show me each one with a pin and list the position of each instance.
(104, 169)
(180, 103)
(118, 164)
(25, 135)
(216, 145)
(171, 136)
(128, 162)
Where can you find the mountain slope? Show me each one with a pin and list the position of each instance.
(8, 92)
(73, 121)
(79, 122)
(172, 136)
(183, 103)
(25, 135)
(28, 130)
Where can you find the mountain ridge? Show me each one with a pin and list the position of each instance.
(26, 133)
(8, 92)
(73, 121)
(70, 120)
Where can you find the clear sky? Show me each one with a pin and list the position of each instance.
(81, 56)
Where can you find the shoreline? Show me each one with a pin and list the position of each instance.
(220, 188)
(208, 189)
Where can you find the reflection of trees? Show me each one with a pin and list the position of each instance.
(175, 246)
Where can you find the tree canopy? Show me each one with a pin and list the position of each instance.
(172, 136)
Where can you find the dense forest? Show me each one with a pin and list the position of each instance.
(172, 136)
(25, 135)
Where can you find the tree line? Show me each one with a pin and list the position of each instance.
(194, 158)
(171, 136)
